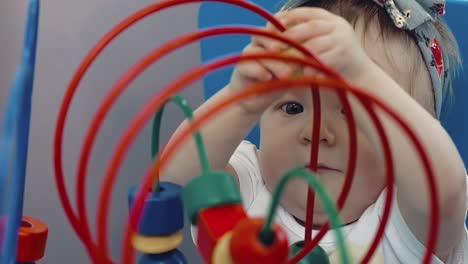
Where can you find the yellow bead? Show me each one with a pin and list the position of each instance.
(157, 244)
(221, 253)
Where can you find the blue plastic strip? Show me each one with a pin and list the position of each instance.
(19, 109)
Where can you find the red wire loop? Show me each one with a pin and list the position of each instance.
(79, 222)
(264, 88)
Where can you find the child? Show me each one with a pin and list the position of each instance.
(401, 53)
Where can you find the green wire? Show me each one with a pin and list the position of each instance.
(266, 233)
(188, 112)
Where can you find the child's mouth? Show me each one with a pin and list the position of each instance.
(321, 168)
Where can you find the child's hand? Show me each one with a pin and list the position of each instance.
(248, 73)
(330, 37)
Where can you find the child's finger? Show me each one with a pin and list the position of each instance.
(254, 69)
(304, 32)
(311, 72)
(260, 41)
(276, 67)
(273, 44)
(303, 14)
(270, 27)
(317, 46)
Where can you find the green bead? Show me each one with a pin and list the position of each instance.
(316, 256)
(209, 190)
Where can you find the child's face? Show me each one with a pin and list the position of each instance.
(286, 129)
(285, 143)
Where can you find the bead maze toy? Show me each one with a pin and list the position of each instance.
(212, 201)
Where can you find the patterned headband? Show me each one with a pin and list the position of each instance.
(413, 16)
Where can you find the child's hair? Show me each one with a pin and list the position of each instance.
(368, 10)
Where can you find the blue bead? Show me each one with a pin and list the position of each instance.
(164, 212)
(171, 257)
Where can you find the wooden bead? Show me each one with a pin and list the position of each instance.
(171, 257)
(214, 223)
(246, 246)
(32, 238)
(163, 213)
(156, 244)
(221, 252)
(214, 189)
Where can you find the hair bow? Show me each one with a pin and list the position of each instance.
(415, 16)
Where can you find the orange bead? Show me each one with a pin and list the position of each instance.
(246, 246)
(32, 240)
(213, 223)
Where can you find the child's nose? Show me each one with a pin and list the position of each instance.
(326, 134)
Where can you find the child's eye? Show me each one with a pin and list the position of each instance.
(292, 108)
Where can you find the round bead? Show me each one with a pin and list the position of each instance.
(163, 213)
(246, 246)
(221, 253)
(217, 188)
(32, 237)
(316, 256)
(157, 244)
(171, 257)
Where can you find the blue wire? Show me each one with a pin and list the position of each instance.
(21, 111)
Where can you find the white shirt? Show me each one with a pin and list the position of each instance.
(398, 245)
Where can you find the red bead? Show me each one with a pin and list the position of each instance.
(246, 246)
(213, 223)
(32, 240)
